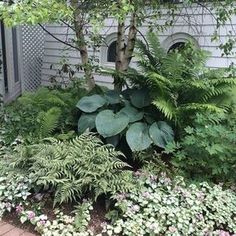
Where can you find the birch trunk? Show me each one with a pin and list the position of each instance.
(124, 51)
(81, 44)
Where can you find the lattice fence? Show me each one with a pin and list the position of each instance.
(32, 55)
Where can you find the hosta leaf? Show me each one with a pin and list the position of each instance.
(113, 97)
(140, 98)
(109, 124)
(90, 104)
(137, 137)
(86, 121)
(132, 113)
(161, 133)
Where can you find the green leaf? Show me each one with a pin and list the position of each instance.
(132, 113)
(90, 104)
(161, 133)
(140, 98)
(109, 124)
(113, 97)
(23, 219)
(137, 137)
(86, 121)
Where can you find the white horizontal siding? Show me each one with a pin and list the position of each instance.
(195, 21)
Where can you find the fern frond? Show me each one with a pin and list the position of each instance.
(71, 168)
(49, 121)
(166, 107)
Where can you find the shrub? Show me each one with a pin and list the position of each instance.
(74, 168)
(41, 114)
(167, 206)
(128, 114)
(208, 148)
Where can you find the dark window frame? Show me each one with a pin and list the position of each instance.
(111, 52)
(4, 58)
(15, 55)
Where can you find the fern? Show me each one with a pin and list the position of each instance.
(180, 83)
(73, 168)
(42, 113)
(48, 121)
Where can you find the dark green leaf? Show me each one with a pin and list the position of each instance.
(140, 98)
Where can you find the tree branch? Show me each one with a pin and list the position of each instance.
(59, 40)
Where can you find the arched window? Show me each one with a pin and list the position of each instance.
(177, 41)
(177, 46)
(111, 52)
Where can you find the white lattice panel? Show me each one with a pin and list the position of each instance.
(32, 56)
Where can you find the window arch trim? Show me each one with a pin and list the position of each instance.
(178, 38)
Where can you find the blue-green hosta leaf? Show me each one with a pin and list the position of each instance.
(140, 98)
(132, 113)
(90, 104)
(113, 97)
(86, 121)
(109, 124)
(137, 137)
(161, 133)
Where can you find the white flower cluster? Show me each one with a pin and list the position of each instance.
(170, 207)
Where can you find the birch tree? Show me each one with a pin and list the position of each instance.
(82, 15)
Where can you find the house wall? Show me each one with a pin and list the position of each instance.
(196, 23)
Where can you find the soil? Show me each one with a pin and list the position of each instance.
(97, 216)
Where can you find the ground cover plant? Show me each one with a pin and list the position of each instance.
(167, 206)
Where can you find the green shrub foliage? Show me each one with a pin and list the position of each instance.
(127, 114)
(208, 148)
(167, 206)
(180, 83)
(74, 168)
(40, 114)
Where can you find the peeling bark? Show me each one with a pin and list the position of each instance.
(81, 44)
(125, 49)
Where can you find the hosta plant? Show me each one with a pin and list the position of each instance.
(128, 114)
(167, 206)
